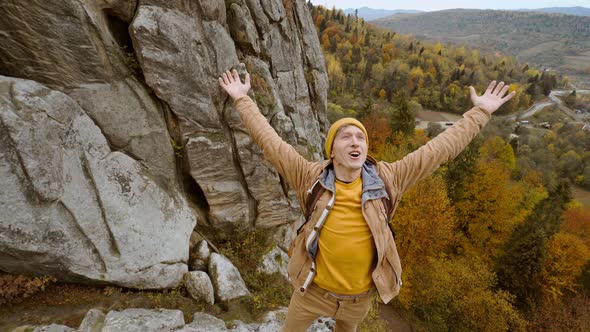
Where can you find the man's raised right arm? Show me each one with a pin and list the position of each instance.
(286, 160)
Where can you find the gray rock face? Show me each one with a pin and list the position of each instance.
(227, 281)
(143, 320)
(72, 207)
(199, 286)
(182, 52)
(131, 126)
(132, 121)
(85, 47)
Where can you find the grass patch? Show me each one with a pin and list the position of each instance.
(15, 288)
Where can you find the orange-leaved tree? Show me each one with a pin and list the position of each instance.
(377, 126)
(491, 205)
(576, 221)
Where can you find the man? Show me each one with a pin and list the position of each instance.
(346, 250)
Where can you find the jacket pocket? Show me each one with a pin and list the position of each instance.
(393, 281)
(298, 256)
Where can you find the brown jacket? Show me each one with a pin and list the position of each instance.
(302, 175)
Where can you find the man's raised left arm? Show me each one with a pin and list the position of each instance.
(446, 146)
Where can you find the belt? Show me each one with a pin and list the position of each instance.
(342, 297)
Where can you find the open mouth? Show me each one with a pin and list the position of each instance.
(355, 154)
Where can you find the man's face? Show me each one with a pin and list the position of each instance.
(349, 150)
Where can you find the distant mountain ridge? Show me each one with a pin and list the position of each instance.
(578, 11)
(369, 14)
(553, 40)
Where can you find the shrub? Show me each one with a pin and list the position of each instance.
(17, 287)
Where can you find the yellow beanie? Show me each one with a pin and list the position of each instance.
(334, 129)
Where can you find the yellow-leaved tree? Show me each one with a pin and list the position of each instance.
(566, 256)
(458, 295)
(423, 224)
(492, 203)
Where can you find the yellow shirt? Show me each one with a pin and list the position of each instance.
(346, 248)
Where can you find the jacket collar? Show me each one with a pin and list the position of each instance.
(373, 186)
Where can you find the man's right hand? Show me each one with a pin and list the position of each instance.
(231, 83)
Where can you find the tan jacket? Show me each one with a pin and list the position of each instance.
(302, 175)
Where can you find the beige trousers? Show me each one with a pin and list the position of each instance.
(303, 310)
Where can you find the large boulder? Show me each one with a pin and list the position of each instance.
(226, 278)
(74, 208)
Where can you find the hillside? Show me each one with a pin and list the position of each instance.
(579, 11)
(368, 66)
(556, 41)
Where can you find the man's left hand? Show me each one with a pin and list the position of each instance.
(230, 82)
(493, 98)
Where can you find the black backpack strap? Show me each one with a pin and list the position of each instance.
(312, 199)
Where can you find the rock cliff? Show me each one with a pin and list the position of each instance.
(116, 140)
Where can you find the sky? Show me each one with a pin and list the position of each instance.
(431, 5)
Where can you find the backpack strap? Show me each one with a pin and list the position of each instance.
(312, 199)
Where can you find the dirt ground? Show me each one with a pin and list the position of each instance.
(396, 322)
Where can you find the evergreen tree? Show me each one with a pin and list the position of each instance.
(366, 110)
(570, 100)
(368, 38)
(402, 118)
(519, 270)
(460, 169)
(584, 279)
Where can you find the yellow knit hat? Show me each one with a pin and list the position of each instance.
(334, 129)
